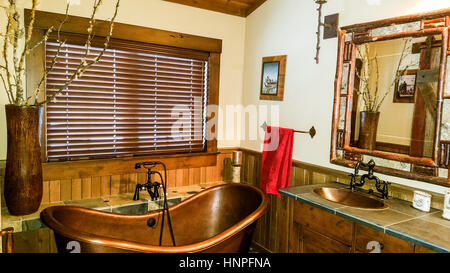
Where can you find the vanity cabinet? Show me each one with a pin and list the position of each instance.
(317, 231)
(314, 242)
(368, 240)
(320, 221)
(314, 230)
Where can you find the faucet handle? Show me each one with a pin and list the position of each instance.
(371, 165)
(383, 188)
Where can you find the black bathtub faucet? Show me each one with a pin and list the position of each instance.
(151, 187)
(153, 190)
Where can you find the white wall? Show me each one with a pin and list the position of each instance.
(167, 16)
(289, 27)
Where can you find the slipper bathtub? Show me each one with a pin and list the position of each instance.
(221, 219)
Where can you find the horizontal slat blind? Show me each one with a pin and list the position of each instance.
(139, 99)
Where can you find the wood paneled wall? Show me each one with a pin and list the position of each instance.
(92, 187)
(100, 186)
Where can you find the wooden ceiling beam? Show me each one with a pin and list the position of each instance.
(241, 8)
(255, 6)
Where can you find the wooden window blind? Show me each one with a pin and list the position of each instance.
(140, 99)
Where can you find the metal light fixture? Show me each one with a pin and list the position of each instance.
(330, 26)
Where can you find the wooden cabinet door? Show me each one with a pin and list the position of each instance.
(333, 226)
(313, 242)
(369, 240)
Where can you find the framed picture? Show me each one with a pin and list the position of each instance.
(272, 78)
(405, 87)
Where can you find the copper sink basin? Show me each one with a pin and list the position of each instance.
(352, 199)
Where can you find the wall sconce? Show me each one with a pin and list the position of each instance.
(330, 26)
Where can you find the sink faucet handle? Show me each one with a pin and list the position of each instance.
(383, 188)
(371, 165)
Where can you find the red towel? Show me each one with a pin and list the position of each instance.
(276, 162)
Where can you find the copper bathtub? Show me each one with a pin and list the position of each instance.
(221, 219)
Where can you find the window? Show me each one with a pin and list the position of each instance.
(140, 99)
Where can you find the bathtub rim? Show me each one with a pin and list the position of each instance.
(90, 238)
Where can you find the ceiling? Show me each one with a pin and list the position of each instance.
(241, 8)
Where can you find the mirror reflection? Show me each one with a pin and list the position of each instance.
(395, 94)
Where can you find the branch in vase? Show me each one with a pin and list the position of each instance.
(55, 58)
(4, 84)
(84, 64)
(6, 59)
(25, 51)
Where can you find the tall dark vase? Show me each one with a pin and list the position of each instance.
(23, 174)
(368, 130)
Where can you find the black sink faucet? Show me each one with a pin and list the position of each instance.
(381, 186)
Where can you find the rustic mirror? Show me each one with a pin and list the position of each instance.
(392, 96)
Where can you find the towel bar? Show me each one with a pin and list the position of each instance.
(312, 132)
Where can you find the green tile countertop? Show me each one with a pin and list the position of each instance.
(401, 220)
(122, 204)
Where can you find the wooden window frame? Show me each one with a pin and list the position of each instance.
(78, 25)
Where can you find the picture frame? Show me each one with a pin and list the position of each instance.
(405, 87)
(273, 77)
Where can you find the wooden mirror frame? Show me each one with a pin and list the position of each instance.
(423, 169)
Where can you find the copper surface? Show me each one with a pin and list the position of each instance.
(236, 160)
(352, 199)
(9, 238)
(221, 219)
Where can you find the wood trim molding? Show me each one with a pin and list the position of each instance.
(398, 173)
(304, 165)
(398, 20)
(213, 99)
(255, 6)
(75, 24)
(227, 150)
(392, 147)
(236, 8)
(117, 166)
